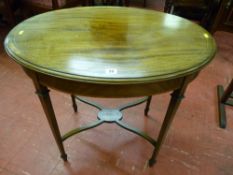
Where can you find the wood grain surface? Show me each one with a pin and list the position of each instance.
(112, 45)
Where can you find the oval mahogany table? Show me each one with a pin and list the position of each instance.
(110, 52)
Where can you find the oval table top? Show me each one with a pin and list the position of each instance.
(114, 45)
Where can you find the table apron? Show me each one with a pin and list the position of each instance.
(107, 90)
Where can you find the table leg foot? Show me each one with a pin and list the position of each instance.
(151, 162)
(64, 157)
(147, 106)
(75, 107)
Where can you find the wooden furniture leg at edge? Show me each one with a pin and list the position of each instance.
(43, 94)
(174, 103)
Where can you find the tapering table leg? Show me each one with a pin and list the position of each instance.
(223, 97)
(43, 94)
(75, 107)
(176, 98)
(147, 106)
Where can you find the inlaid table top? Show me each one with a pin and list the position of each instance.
(113, 45)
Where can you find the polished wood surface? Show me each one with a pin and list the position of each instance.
(110, 45)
